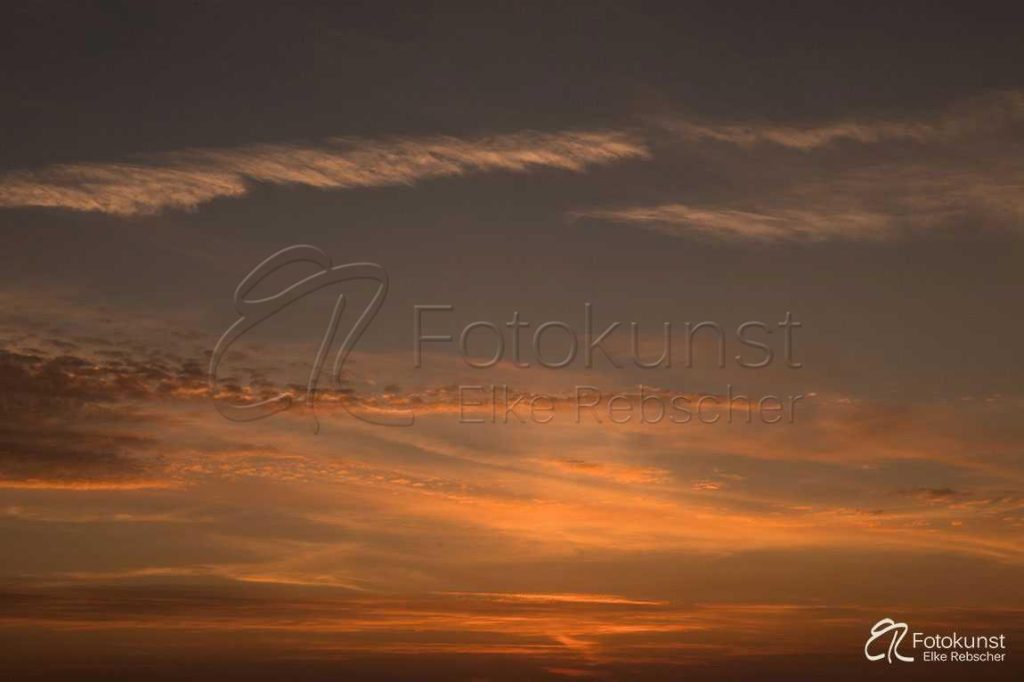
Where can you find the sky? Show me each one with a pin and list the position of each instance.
(801, 227)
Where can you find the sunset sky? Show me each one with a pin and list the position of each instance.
(856, 170)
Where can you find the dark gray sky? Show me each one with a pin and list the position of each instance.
(118, 83)
(100, 80)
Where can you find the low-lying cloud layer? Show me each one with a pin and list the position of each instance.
(727, 223)
(134, 507)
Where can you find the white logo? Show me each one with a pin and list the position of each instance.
(882, 628)
(952, 647)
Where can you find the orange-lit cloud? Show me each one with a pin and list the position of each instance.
(825, 193)
(983, 115)
(186, 179)
(727, 223)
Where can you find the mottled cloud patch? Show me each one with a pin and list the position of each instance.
(58, 429)
(187, 179)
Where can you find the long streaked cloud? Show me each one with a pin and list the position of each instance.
(583, 630)
(755, 225)
(865, 204)
(961, 170)
(89, 416)
(526, 546)
(186, 179)
(986, 114)
(50, 441)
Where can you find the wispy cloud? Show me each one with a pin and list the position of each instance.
(762, 225)
(961, 169)
(874, 203)
(986, 114)
(186, 179)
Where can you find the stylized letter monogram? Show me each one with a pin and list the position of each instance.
(884, 627)
(255, 311)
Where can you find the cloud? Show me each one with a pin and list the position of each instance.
(986, 114)
(732, 224)
(585, 631)
(186, 179)
(933, 494)
(962, 171)
(881, 202)
(47, 456)
(618, 473)
(83, 422)
(58, 429)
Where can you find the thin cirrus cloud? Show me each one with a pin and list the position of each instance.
(732, 224)
(883, 202)
(959, 169)
(187, 179)
(981, 115)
